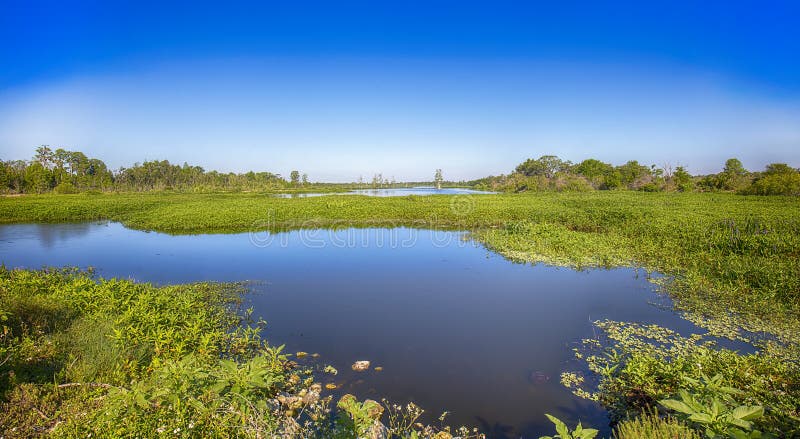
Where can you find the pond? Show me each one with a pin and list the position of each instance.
(454, 326)
(389, 192)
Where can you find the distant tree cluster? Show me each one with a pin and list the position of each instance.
(63, 171)
(550, 173)
(60, 170)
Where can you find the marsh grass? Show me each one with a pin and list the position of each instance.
(652, 426)
(732, 263)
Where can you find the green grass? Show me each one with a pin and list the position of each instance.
(732, 262)
(69, 342)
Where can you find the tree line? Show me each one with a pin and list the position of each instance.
(550, 173)
(64, 171)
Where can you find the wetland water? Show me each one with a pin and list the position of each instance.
(454, 326)
(389, 192)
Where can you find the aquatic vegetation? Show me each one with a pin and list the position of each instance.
(637, 366)
(649, 425)
(731, 262)
(564, 432)
(360, 418)
(717, 415)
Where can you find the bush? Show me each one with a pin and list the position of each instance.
(776, 184)
(65, 187)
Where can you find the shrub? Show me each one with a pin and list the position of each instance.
(65, 187)
(652, 426)
(776, 184)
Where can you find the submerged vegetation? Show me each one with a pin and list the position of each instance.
(731, 262)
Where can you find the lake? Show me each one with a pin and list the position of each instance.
(454, 326)
(389, 192)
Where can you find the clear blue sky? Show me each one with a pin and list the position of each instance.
(342, 89)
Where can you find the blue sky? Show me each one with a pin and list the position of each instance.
(342, 89)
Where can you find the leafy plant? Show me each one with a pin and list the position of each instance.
(359, 418)
(714, 410)
(563, 432)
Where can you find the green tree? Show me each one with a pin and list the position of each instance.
(779, 169)
(60, 165)
(15, 175)
(777, 179)
(438, 179)
(546, 165)
(294, 176)
(632, 173)
(5, 177)
(732, 177)
(44, 155)
(595, 171)
(38, 178)
(682, 180)
(733, 166)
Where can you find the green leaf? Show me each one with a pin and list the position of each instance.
(731, 390)
(678, 406)
(747, 425)
(739, 434)
(702, 418)
(196, 404)
(748, 413)
(561, 428)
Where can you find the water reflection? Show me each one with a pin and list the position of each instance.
(46, 234)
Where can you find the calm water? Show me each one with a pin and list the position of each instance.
(390, 192)
(455, 327)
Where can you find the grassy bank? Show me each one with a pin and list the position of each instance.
(732, 262)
